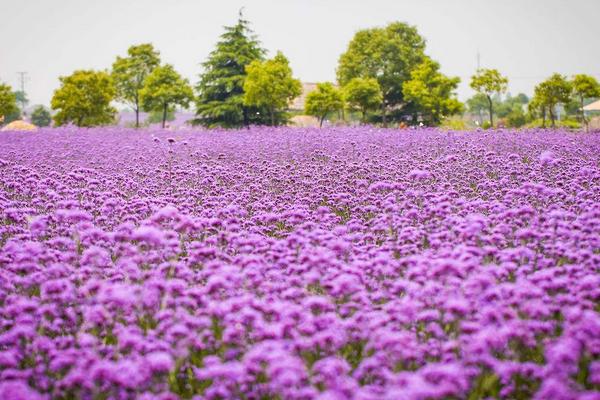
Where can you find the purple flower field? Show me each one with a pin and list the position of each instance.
(299, 264)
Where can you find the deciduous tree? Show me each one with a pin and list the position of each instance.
(324, 100)
(584, 87)
(551, 92)
(41, 117)
(432, 92)
(165, 88)
(364, 95)
(489, 82)
(129, 74)
(387, 54)
(270, 84)
(22, 99)
(8, 102)
(84, 99)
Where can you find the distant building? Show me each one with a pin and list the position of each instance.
(595, 106)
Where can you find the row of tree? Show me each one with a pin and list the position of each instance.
(384, 75)
(548, 95)
(138, 80)
(239, 87)
(559, 90)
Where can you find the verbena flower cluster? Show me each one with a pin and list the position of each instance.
(299, 264)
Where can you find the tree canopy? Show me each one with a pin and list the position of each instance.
(270, 84)
(22, 99)
(489, 82)
(220, 100)
(432, 92)
(163, 89)
(324, 100)
(41, 117)
(364, 95)
(549, 93)
(585, 87)
(387, 54)
(84, 99)
(8, 102)
(129, 74)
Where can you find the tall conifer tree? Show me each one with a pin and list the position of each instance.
(220, 101)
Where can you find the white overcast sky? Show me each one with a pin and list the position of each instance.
(527, 40)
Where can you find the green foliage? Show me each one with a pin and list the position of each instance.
(516, 118)
(584, 87)
(506, 107)
(84, 99)
(324, 100)
(573, 107)
(19, 111)
(387, 54)
(41, 117)
(454, 123)
(563, 123)
(270, 84)
(22, 99)
(129, 74)
(165, 88)
(537, 110)
(220, 91)
(478, 105)
(8, 102)
(489, 82)
(432, 92)
(486, 385)
(13, 116)
(548, 94)
(156, 116)
(569, 124)
(364, 95)
(511, 110)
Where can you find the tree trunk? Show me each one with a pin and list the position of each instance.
(272, 113)
(321, 121)
(246, 121)
(583, 120)
(364, 117)
(383, 115)
(164, 118)
(491, 111)
(543, 117)
(137, 112)
(552, 122)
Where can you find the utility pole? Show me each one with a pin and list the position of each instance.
(22, 79)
